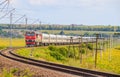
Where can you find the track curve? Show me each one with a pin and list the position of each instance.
(66, 69)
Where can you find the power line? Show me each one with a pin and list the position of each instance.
(20, 18)
(4, 6)
(7, 13)
(3, 2)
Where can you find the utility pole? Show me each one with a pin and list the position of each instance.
(26, 20)
(101, 47)
(93, 53)
(69, 46)
(87, 47)
(110, 48)
(40, 26)
(81, 49)
(11, 30)
(97, 36)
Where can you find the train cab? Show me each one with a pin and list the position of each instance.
(30, 38)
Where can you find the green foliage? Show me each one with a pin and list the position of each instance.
(62, 33)
(1, 47)
(14, 70)
(37, 55)
(57, 55)
(90, 46)
(52, 48)
(67, 27)
(63, 51)
(7, 73)
(71, 54)
(82, 51)
(83, 45)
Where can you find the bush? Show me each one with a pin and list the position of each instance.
(37, 55)
(57, 55)
(89, 46)
(52, 48)
(82, 50)
(63, 51)
(83, 45)
(71, 54)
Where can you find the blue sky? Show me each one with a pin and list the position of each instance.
(89, 12)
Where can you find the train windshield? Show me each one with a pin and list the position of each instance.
(30, 33)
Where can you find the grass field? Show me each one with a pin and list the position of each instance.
(16, 42)
(15, 72)
(75, 32)
(44, 53)
(103, 64)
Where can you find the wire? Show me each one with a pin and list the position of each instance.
(3, 2)
(19, 18)
(5, 5)
(7, 13)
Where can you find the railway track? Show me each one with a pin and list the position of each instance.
(8, 53)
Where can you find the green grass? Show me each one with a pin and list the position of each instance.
(13, 73)
(76, 32)
(16, 42)
(41, 53)
(103, 64)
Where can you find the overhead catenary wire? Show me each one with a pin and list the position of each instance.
(1, 3)
(7, 13)
(19, 18)
(4, 6)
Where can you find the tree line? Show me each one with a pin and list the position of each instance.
(62, 27)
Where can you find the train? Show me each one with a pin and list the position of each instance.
(33, 38)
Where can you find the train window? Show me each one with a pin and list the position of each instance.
(30, 40)
(30, 34)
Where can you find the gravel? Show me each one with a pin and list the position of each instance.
(34, 70)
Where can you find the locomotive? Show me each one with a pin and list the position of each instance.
(33, 38)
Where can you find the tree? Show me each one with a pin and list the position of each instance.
(62, 32)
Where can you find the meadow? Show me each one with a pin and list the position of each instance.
(58, 54)
(76, 32)
(5, 72)
(16, 42)
(15, 72)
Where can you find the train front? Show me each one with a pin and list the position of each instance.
(30, 38)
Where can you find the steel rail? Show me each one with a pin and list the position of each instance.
(58, 67)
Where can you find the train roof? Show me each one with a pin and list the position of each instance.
(59, 36)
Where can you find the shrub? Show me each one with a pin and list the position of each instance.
(71, 54)
(63, 51)
(52, 48)
(37, 55)
(83, 45)
(89, 46)
(82, 50)
(57, 55)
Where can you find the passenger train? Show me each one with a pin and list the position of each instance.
(33, 38)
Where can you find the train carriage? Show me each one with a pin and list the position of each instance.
(36, 39)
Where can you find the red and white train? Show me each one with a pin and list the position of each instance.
(33, 38)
